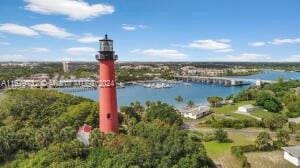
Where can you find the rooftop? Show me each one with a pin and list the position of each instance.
(197, 110)
(248, 106)
(85, 128)
(293, 150)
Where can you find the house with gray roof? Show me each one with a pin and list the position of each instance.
(292, 154)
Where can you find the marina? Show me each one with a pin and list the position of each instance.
(164, 90)
(195, 91)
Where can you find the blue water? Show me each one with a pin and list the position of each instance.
(273, 75)
(196, 92)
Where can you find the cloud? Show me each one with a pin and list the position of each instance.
(81, 51)
(293, 58)
(89, 38)
(17, 29)
(221, 45)
(12, 57)
(247, 57)
(128, 27)
(4, 43)
(52, 30)
(224, 50)
(257, 44)
(141, 26)
(225, 40)
(39, 49)
(278, 41)
(161, 53)
(73, 9)
(131, 27)
(209, 45)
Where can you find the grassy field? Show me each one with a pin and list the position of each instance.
(272, 159)
(262, 113)
(220, 152)
(215, 149)
(228, 110)
(1, 95)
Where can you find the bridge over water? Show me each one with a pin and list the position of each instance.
(227, 81)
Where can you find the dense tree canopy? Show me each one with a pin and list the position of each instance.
(39, 130)
(268, 101)
(214, 100)
(277, 97)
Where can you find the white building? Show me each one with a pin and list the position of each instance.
(246, 108)
(258, 82)
(83, 134)
(292, 154)
(196, 113)
(65, 66)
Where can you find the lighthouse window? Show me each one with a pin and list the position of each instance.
(108, 115)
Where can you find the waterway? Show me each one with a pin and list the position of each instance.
(196, 92)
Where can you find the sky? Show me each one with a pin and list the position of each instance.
(151, 30)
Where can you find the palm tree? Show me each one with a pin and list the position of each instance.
(190, 104)
(137, 106)
(178, 99)
(148, 103)
(214, 100)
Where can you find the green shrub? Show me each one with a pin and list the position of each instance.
(232, 123)
(238, 152)
(297, 137)
(208, 137)
(277, 145)
(221, 135)
(239, 125)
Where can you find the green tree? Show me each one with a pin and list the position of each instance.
(263, 141)
(293, 108)
(148, 103)
(179, 99)
(190, 104)
(283, 137)
(137, 106)
(293, 126)
(214, 100)
(96, 138)
(129, 114)
(167, 74)
(163, 112)
(221, 135)
(267, 100)
(274, 122)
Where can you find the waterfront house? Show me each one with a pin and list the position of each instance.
(83, 134)
(196, 113)
(292, 154)
(246, 108)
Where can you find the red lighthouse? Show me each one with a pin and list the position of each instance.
(108, 121)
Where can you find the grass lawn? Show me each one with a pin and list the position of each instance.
(228, 110)
(215, 149)
(272, 159)
(261, 113)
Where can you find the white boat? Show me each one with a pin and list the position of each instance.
(187, 84)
